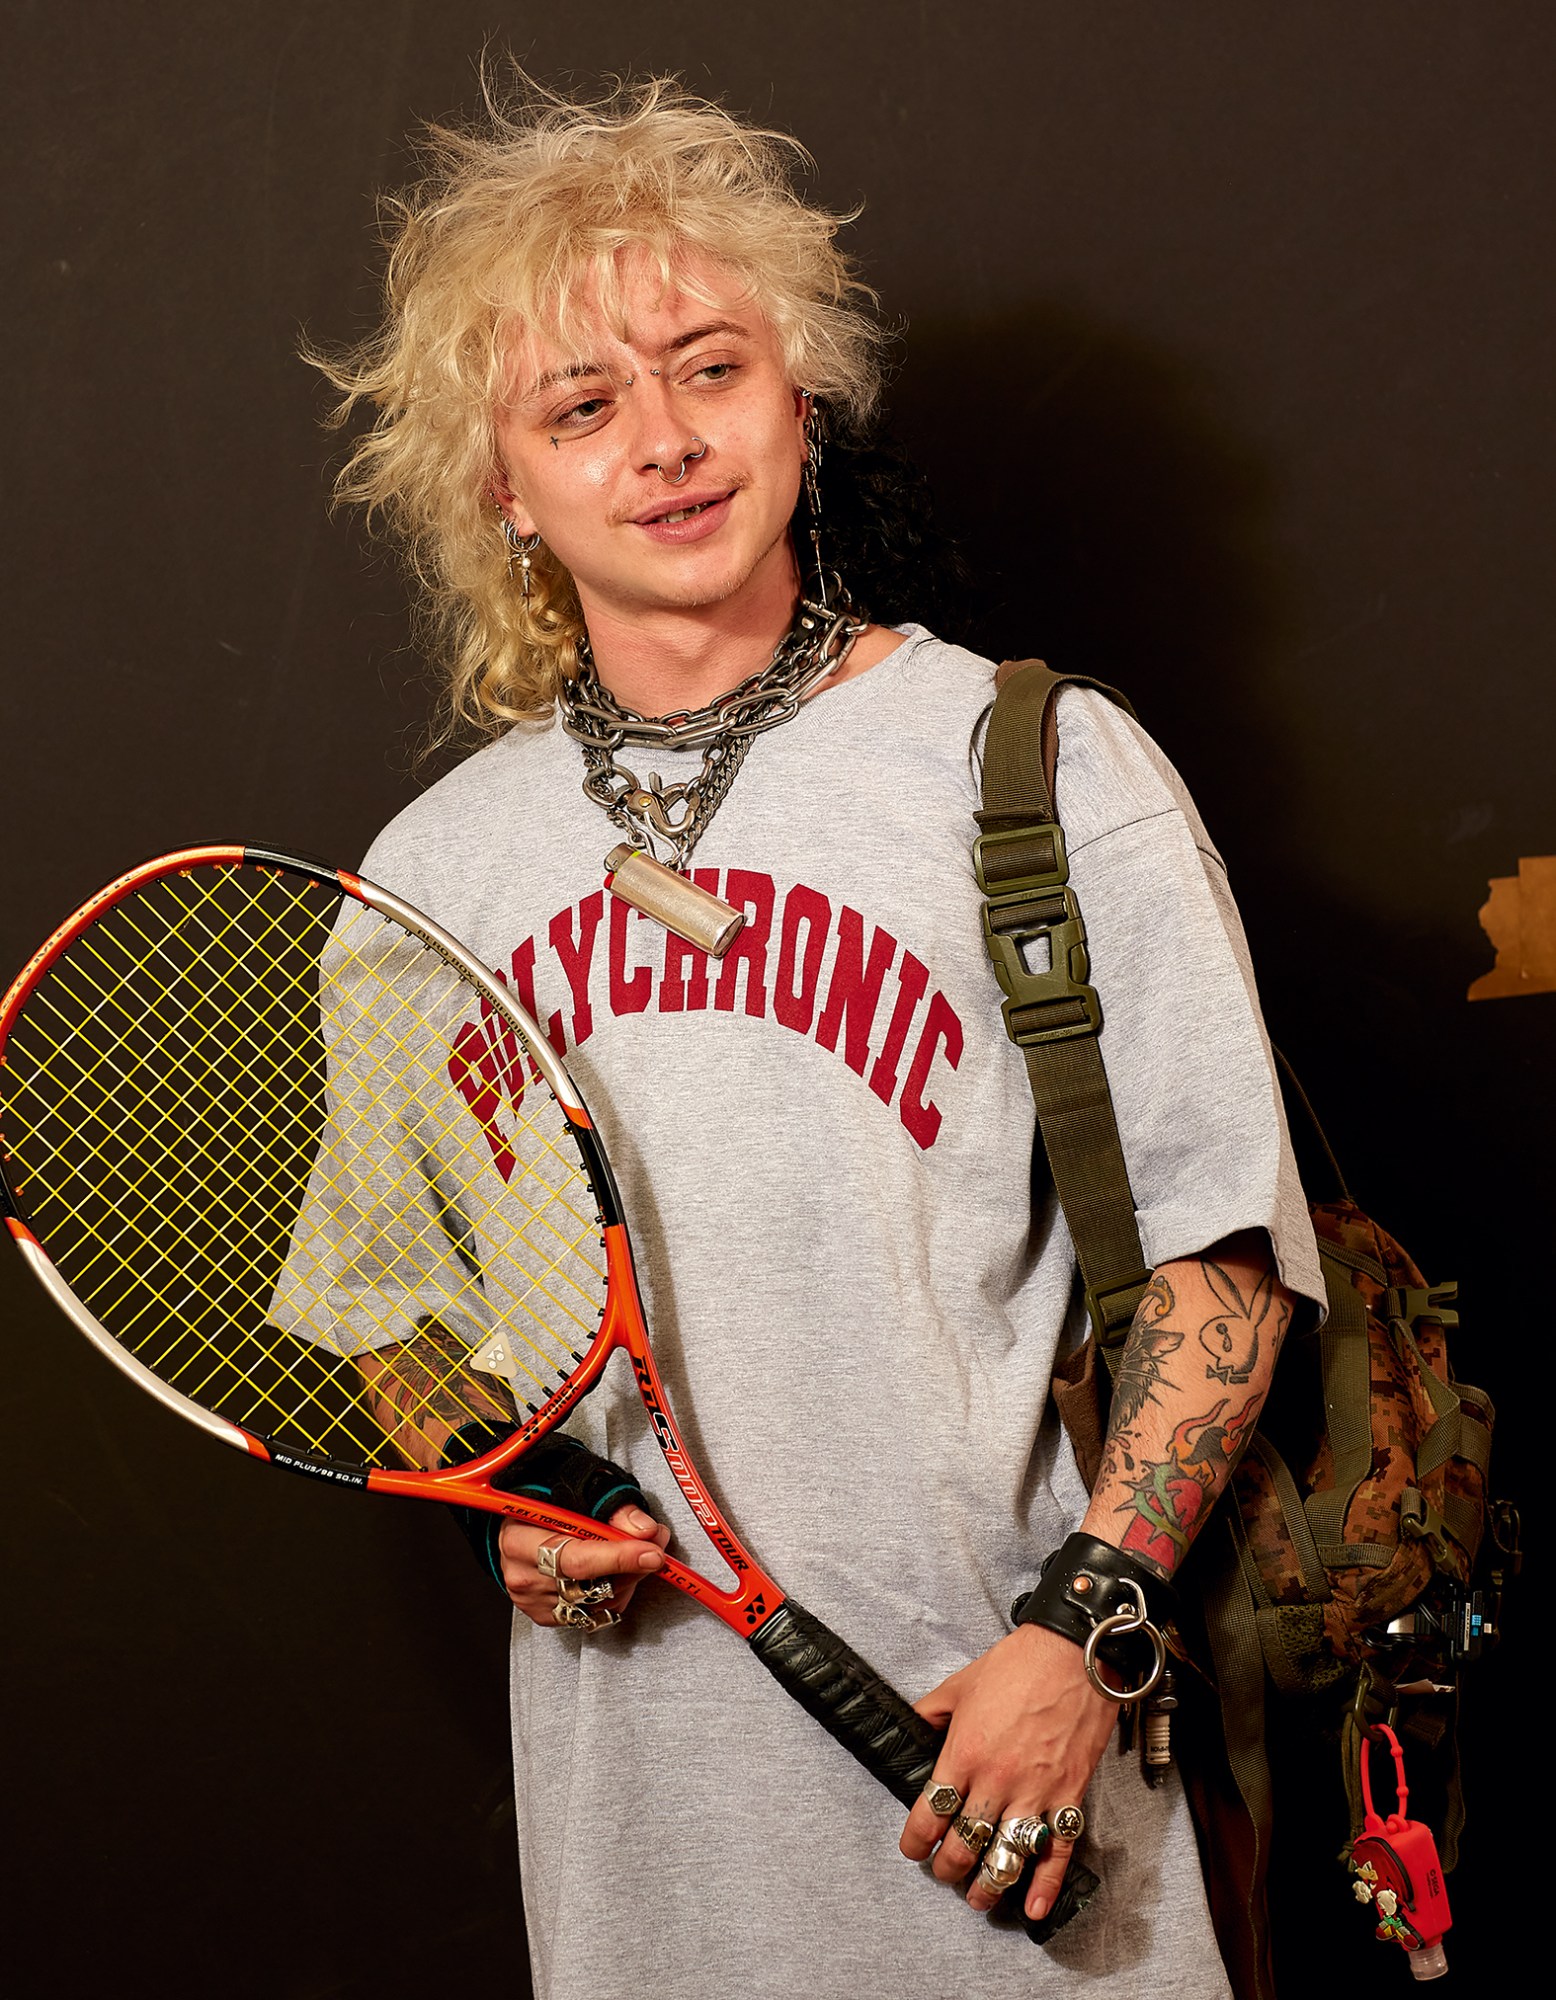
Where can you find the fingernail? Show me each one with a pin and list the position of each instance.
(639, 1522)
(650, 1559)
(1038, 1910)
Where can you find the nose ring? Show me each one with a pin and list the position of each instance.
(689, 459)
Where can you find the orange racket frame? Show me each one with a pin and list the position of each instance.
(816, 1667)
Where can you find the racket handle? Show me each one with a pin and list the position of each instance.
(873, 1722)
(849, 1699)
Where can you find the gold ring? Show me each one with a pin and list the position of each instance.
(942, 1800)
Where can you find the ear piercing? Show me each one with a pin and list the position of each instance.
(520, 549)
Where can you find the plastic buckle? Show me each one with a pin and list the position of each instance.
(1415, 1302)
(1110, 1329)
(1054, 1002)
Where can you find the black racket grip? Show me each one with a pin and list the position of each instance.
(874, 1724)
(849, 1699)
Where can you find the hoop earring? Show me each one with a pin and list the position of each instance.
(520, 549)
(812, 480)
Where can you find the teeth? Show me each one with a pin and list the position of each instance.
(686, 512)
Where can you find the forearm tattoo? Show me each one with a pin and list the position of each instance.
(1170, 1495)
(422, 1390)
(1170, 1447)
(1151, 1340)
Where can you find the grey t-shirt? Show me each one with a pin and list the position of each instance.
(823, 1146)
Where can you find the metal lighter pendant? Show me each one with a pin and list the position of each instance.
(694, 914)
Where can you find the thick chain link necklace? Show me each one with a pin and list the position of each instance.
(668, 820)
(663, 823)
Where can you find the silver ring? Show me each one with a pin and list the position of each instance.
(1068, 1823)
(578, 1619)
(1003, 1865)
(942, 1800)
(548, 1554)
(573, 1589)
(690, 459)
(1029, 1834)
(974, 1834)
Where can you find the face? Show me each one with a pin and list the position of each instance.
(588, 442)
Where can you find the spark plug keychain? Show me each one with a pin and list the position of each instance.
(1396, 1869)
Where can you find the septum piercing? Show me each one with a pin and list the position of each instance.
(690, 459)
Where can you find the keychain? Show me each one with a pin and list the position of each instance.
(1397, 1871)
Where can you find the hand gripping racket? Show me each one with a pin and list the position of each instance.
(301, 1168)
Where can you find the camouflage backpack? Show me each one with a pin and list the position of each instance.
(1339, 1569)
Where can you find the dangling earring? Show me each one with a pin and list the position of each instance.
(813, 490)
(520, 549)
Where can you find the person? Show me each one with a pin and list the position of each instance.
(624, 390)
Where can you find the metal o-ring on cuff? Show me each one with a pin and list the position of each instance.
(1120, 1623)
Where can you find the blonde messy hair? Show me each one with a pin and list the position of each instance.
(519, 225)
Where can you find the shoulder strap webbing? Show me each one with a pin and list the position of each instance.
(1054, 1016)
(1036, 937)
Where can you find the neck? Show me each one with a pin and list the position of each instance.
(660, 659)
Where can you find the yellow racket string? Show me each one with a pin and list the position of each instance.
(185, 1301)
(160, 1362)
(234, 1109)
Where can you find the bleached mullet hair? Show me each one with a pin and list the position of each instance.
(519, 226)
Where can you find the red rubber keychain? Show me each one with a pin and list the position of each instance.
(1397, 1871)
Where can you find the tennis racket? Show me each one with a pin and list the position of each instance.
(270, 1137)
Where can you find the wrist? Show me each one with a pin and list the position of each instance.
(1086, 1582)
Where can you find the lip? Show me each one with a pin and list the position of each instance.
(715, 503)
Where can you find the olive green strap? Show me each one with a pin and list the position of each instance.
(1346, 1363)
(1231, 1630)
(1036, 938)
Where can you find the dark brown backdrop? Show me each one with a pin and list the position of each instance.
(1229, 332)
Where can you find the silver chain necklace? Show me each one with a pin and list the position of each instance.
(675, 817)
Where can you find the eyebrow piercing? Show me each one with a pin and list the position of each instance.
(653, 371)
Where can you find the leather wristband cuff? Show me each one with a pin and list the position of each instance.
(1086, 1581)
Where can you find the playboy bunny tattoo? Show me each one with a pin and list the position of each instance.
(1231, 1337)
